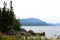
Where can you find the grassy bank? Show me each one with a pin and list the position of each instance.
(20, 37)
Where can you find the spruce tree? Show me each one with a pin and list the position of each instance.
(3, 18)
(7, 19)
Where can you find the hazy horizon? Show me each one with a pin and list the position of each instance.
(46, 10)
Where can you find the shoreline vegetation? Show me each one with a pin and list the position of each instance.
(27, 36)
(10, 28)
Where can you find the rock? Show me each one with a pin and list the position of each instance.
(11, 32)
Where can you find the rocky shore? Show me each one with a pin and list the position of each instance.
(22, 31)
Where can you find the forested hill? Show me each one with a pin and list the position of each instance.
(33, 22)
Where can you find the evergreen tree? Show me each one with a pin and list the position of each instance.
(7, 19)
(0, 19)
(3, 20)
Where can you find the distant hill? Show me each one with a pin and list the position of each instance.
(54, 24)
(33, 22)
(57, 24)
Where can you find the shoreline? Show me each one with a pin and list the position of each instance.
(49, 31)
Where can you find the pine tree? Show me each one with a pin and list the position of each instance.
(3, 18)
(14, 22)
(0, 19)
(7, 19)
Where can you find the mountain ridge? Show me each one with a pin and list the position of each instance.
(33, 22)
(36, 22)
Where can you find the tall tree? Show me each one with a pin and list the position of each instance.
(3, 18)
(7, 19)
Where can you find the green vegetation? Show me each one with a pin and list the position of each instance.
(20, 37)
(7, 19)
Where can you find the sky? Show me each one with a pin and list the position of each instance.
(46, 10)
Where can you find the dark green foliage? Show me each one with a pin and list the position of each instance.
(7, 19)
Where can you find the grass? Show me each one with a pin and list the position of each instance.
(20, 37)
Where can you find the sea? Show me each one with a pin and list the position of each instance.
(50, 31)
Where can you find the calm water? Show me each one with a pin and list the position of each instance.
(49, 30)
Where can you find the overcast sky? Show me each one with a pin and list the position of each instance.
(46, 10)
